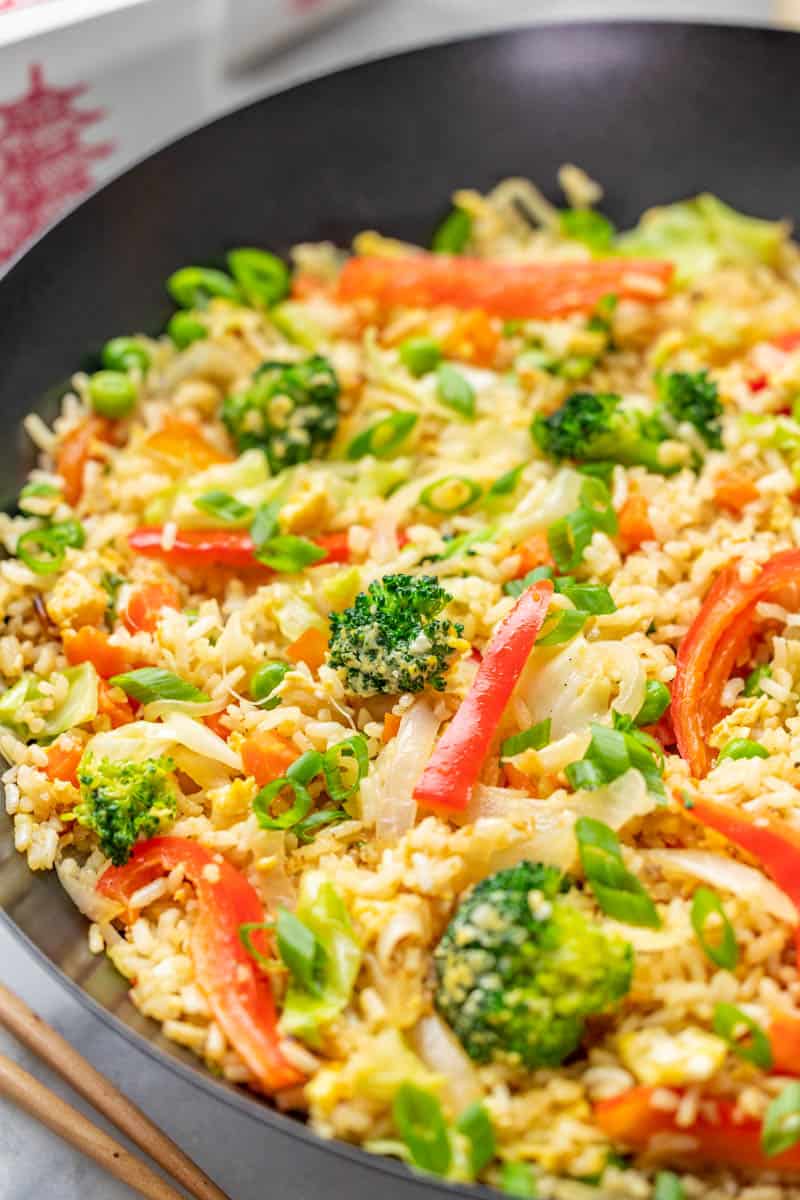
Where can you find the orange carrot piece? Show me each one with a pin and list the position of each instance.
(535, 552)
(88, 644)
(474, 338)
(75, 451)
(634, 522)
(62, 760)
(113, 704)
(144, 607)
(311, 648)
(391, 724)
(267, 756)
(182, 443)
(734, 491)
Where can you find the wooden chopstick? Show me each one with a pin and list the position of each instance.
(52, 1048)
(77, 1129)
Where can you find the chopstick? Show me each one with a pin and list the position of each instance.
(74, 1127)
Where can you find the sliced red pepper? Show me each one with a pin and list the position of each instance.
(776, 844)
(220, 547)
(631, 1120)
(716, 640)
(239, 994)
(455, 765)
(505, 289)
(76, 450)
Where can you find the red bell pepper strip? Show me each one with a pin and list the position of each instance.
(631, 1120)
(505, 289)
(239, 994)
(453, 770)
(221, 547)
(716, 640)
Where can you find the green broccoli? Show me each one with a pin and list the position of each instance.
(593, 427)
(391, 639)
(692, 396)
(519, 968)
(290, 411)
(122, 801)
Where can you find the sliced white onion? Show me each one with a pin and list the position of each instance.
(387, 800)
(204, 360)
(581, 683)
(191, 708)
(439, 1050)
(729, 875)
(145, 739)
(198, 737)
(83, 894)
(543, 505)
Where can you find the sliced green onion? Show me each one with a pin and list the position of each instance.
(350, 753)
(44, 550)
(183, 329)
(668, 1187)
(587, 226)
(756, 1048)
(596, 498)
(567, 624)
(598, 470)
(742, 748)
(123, 353)
(568, 538)
(307, 766)
(519, 1179)
(223, 506)
(752, 685)
(535, 738)
(265, 522)
(455, 391)
(656, 702)
(305, 831)
(263, 682)
(246, 931)
(148, 684)
(451, 494)
(617, 891)
(515, 587)
(193, 287)
(420, 355)
(289, 554)
(300, 807)
(262, 277)
(465, 541)
(475, 1124)
(591, 598)
(453, 234)
(300, 950)
(111, 393)
(36, 489)
(420, 1122)
(507, 484)
(781, 1127)
(724, 949)
(613, 751)
(383, 438)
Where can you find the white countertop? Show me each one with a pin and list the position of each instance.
(35, 1165)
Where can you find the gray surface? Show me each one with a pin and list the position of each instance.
(34, 1165)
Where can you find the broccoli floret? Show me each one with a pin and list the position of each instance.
(391, 640)
(519, 969)
(593, 427)
(122, 801)
(290, 411)
(692, 396)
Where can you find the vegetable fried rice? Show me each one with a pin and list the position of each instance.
(402, 669)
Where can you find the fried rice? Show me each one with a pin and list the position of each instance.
(398, 867)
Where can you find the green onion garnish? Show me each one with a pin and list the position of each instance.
(781, 1127)
(453, 234)
(507, 484)
(246, 932)
(44, 550)
(569, 536)
(475, 1125)
(262, 277)
(193, 287)
(617, 891)
(455, 391)
(420, 1122)
(148, 684)
(656, 702)
(305, 831)
(450, 495)
(614, 751)
(289, 554)
(668, 1187)
(350, 757)
(300, 807)
(587, 226)
(420, 355)
(535, 738)
(743, 748)
(518, 1179)
(724, 949)
(566, 625)
(300, 950)
(730, 1022)
(752, 685)
(223, 506)
(383, 438)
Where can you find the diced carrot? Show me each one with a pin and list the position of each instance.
(535, 552)
(145, 605)
(474, 338)
(310, 648)
(214, 723)
(634, 522)
(112, 703)
(734, 491)
(182, 443)
(92, 645)
(391, 724)
(62, 760)
(306, 286)
(75, 451)
(267, 756)
(784, 1038)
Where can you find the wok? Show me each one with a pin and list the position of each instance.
(654, 111)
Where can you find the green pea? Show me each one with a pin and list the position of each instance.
(264, 680)
(184, 329)
(112, 393)
(124, 353)
(263, 277)
(193, 287)
(420, 355)
(743, 748)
